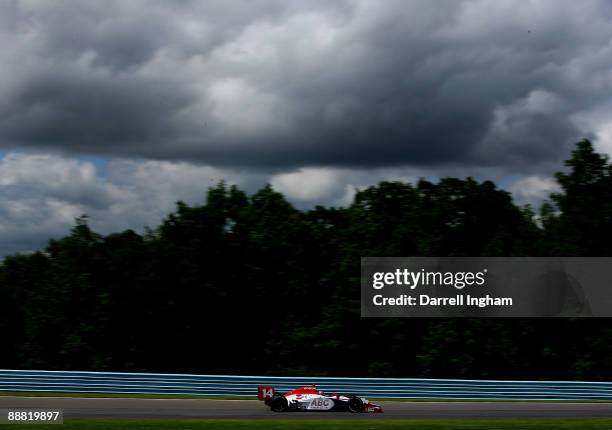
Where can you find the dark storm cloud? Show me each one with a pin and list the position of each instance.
(285, 84)
(91, 113)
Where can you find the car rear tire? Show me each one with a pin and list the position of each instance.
(279, 404)
(355, 404)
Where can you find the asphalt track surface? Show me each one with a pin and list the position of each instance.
(251, 409)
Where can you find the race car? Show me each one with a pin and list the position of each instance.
(309, 398)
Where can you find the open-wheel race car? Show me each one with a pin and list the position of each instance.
(309, 398)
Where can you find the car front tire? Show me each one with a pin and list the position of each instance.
(355, 404)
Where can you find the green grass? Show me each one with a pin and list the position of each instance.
(356, 424)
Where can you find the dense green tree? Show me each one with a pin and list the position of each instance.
(580, 220)
(250, 284)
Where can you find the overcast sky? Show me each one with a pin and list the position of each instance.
(119, 108)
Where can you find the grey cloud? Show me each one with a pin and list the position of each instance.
(67, 110)
(283, 85)
(41, 195)
(533, 190)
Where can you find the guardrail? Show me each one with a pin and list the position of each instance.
(228, 385)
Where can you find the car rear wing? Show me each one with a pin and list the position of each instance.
(265, 392)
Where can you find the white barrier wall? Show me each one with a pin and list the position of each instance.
(230, 385)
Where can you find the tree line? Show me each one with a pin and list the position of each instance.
(248, 284)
